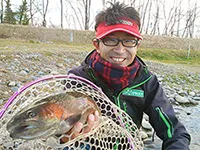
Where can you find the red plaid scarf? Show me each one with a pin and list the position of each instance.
(116, 77)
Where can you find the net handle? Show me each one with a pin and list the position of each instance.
(20, 90)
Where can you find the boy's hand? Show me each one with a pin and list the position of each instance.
(78, 127)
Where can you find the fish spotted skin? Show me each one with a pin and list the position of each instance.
(51, 116)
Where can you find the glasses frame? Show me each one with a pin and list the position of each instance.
(118, 41)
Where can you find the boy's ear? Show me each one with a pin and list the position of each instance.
(96, 44)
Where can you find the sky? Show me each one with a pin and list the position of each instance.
(53, 15)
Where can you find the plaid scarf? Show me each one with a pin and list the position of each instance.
(116, 77)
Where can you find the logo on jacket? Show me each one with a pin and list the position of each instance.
(134, 92)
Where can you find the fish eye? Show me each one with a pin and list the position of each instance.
(31, 114)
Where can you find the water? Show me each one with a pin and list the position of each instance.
(190, 117)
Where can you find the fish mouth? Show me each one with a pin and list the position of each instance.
(26, 127)
(16, 131)
(21, 127)
(27, 132)
(31, 131)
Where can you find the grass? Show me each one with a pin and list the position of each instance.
(159, 55)
(16, 45)
(47, 48)
(171, 56)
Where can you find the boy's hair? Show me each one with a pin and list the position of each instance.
(117, 11)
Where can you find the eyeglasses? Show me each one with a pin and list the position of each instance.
(114, 42)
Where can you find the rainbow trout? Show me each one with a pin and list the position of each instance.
(51, 116)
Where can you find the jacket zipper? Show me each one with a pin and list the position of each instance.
(166, 121)
(135, 86)
(117, 100)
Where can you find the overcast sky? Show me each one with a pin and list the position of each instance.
(53, 15)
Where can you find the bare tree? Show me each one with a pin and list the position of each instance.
(41, 8)
(87, 5)
(44, 12)
(1, 15)
(178, 20)
(33, 9)
(61, 14)
(76, 13)
(140, 6)
(191, 16)
(178, 15)
(143, 16)
(70, 20)
(169, 18)
(192, 24)
(81, 10)
(174, 21)
(149, 17)
(156, 19)
(193, 20)
(132, 3)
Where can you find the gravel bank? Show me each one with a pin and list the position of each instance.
(181, 83)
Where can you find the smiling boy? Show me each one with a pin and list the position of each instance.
(124, 78)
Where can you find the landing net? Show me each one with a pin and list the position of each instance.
(114, 130)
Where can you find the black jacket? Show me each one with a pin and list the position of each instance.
(144, 94)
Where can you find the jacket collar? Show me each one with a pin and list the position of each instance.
(142, 75)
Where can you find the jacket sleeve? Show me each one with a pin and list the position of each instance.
(163, 119)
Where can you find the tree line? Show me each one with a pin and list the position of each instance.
(20, 16)
(180, 18)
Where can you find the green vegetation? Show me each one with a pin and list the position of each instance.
(50, 48)
(18, 17)
(160, 55)
(18, 45)
(9, 14)
(171, 56)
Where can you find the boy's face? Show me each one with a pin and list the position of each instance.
(118, 55)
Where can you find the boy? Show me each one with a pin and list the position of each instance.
(115, 67)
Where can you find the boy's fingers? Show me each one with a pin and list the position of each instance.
(96, 115)
(77, 129)
(90, 123)
(74, 132)
(92, 118)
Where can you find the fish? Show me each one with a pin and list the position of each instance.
(53, 115)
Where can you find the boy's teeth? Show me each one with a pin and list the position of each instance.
(118, 59)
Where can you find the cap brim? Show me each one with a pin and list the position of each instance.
(128, 26)
(119, 29)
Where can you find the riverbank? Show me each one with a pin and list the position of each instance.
(24, 62)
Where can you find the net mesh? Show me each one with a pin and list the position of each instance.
(114, 130)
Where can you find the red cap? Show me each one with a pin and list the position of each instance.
(124, 25)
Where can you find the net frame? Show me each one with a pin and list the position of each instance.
(113, 121)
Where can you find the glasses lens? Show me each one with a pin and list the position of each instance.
(110, 41)
(130, 43)
(115, 42)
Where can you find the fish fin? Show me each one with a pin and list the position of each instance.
(68, 123)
